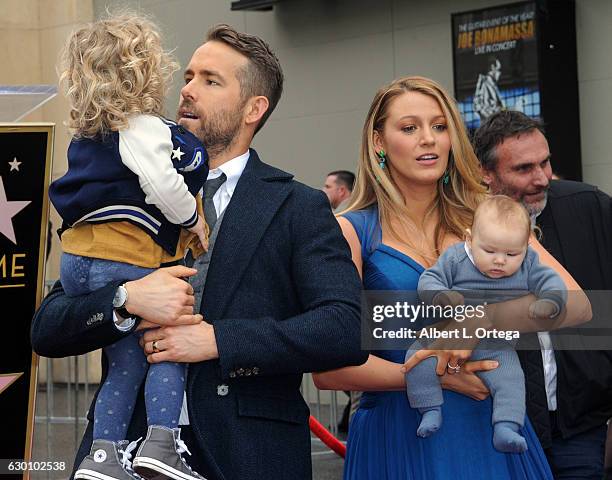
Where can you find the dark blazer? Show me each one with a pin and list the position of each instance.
(577, 230)
(284, 298)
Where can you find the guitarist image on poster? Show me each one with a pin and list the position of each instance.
(487, 98)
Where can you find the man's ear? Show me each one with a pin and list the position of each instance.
(487, 175)
(255, 109)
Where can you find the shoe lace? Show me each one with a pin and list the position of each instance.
(182, 448)
(126, 455)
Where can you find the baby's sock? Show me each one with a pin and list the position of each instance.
(507, 439)
(431, 421)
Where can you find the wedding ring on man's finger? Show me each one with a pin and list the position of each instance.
(154, 346)
(453, 368)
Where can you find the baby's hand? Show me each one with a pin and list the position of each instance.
(200, 230)
(449, 297)
(542, 309)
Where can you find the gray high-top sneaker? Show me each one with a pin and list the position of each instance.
(108, 461)
(160, 456)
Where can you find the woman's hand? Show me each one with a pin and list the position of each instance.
(466, 382)
(449, 361)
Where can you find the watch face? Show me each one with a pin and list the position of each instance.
(120, 297)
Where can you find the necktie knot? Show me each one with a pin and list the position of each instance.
(211, 186)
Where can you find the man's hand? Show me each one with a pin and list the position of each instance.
(182, 343)
(466, 382)
(146, 325)
(163, 297)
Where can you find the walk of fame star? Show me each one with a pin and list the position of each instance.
(6, 379)
(7, 211)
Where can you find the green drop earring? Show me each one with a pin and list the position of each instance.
(382, 159)
(446, 177)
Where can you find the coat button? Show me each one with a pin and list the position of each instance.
(222, 390)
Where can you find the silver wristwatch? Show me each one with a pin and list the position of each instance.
(119, 301)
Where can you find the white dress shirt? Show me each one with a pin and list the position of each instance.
(548, 359)
(232, 169)
(550, 369)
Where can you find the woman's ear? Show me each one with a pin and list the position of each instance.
(378, 142)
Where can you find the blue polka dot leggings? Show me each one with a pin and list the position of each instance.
(127, 368)
(127, 363)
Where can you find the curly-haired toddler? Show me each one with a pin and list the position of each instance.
(129, 204)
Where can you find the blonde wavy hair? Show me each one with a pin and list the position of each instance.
(455, 202)
(111, 69)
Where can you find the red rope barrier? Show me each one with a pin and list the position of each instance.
(326, 436)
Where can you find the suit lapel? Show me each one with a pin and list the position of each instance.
(260, 192)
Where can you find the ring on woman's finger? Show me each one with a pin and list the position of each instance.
(453, 368)
(154, 346)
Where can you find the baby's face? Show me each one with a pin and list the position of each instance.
(498, 250)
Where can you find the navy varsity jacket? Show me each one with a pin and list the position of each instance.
(112, 179)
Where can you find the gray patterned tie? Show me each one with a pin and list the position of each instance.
(210, 188)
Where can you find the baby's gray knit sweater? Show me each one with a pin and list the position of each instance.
(454, 270)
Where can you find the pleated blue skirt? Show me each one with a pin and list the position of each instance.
(383, 443)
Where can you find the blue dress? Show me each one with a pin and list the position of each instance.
(382, 441)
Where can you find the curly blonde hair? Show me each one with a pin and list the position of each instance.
(111, 69)
(455, 201)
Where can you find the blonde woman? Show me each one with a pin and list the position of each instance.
(129, 193)
(418, 185)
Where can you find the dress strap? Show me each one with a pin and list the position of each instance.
(367, 226)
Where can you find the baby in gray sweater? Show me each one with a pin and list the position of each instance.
(494, 264)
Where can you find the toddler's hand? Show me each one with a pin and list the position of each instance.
(200, 230)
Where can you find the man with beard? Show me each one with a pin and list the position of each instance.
(569, 392)
(277, 289)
